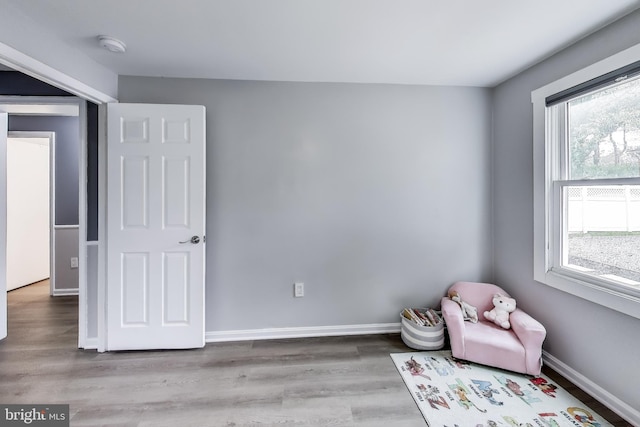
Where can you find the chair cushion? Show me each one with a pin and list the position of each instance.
(489, 344)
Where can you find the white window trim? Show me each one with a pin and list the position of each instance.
(595, 290)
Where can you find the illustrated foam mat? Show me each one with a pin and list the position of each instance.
(450, 392)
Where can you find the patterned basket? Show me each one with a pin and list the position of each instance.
(422, 337)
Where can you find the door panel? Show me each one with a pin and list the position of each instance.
(155, 205)
(135, 204)
(177, 189)
(176, 288)
(135, 289)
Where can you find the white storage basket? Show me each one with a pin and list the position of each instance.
(422, 337)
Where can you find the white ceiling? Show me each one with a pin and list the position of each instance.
(434, 42)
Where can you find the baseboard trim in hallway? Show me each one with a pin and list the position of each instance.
(65, 292)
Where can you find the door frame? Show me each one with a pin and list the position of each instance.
(30, 66)
(51, 136)
(4, 319)
(56, 106)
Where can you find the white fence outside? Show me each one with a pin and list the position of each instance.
(604, 208)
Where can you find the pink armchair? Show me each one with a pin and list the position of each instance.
(517, 349)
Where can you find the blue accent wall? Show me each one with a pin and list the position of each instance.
(16, 83)
(92, 171)
(66, 160)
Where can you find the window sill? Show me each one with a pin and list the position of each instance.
(616, 300)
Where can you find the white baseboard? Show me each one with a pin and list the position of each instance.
(90, 344)
(302, 332)
(65, 292)
(609, 400)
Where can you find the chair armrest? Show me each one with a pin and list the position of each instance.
(452, 315)
(531, 334)
(528, 329)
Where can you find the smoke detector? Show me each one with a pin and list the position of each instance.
(112, 44)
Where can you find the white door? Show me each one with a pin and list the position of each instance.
(28, 219)
(4, 123)
(155, 226)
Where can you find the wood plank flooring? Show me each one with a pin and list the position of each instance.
(339, 381)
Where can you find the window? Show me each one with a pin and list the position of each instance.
(587, 183)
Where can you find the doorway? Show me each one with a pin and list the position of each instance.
(70, 235)
(92, 91)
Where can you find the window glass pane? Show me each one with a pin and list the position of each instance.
(604, 133)
(603, 232)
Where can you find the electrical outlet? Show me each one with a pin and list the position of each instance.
(74, 262)
(298, 290)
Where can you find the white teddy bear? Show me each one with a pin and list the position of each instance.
(500, 313)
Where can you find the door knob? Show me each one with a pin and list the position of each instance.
(195, 240)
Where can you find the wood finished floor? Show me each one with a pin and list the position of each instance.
(339, 381)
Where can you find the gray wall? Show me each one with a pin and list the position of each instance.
(599, 343)
(66, 278)
(92, 292)
(377, 197)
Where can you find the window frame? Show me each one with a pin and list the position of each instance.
(548, 133)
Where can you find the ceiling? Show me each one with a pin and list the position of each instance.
(432, 42)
